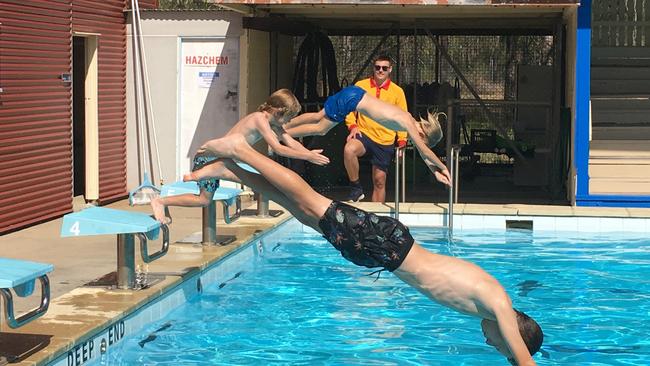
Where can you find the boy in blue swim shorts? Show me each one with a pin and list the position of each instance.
(424, 133)
(382, 242)
(339, 105)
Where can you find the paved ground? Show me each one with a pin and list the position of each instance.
(80, 260)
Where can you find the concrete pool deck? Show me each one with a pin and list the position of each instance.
(77, 310)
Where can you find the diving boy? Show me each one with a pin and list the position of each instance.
(354, 98)
(376, 241)
(266, 123)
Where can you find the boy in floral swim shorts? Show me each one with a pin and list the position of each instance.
(373, 241)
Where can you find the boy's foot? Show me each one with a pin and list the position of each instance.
(223, 147)
(356, 194)
(160, 211)
(217, 170)
(189, 177)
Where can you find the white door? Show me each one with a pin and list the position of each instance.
(209, 102)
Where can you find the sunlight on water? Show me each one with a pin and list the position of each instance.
(299, 302)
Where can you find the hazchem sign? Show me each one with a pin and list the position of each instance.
(205, 60)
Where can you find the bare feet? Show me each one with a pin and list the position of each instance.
(223, 147)
(189, 177)
(160, 211)
(216, 169)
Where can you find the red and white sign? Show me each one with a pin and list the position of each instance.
(209, 89)
(205, 60)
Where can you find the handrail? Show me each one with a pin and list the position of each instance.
(403, 174)
(397, 175)
(456, 151)
(453, 167)
(400, 161)
(450, 210)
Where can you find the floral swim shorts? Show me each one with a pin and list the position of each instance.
(364, 238)
(210, 184)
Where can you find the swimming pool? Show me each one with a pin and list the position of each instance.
(298, 302)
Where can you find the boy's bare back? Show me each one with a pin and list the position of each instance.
(451, 282)
(249, 127)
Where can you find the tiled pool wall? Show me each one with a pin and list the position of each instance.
(92, 348)
(541, 223)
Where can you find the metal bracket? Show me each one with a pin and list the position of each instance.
(143, 245)
(226, 213)
(32, 314)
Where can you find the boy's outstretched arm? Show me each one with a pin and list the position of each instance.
(292, 143)
(430, 159)
(507, 321)
(303, 154)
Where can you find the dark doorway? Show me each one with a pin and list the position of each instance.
(79, 114)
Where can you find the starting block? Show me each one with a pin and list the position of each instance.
(228, 196)
(178, 188)
(127, 226)
(20, 276)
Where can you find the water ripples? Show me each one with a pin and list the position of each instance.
(300, 303)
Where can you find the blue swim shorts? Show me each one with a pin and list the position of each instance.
(210, 184)
(380, 155)
(342, 103)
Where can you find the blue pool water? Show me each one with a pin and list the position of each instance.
(300, 303)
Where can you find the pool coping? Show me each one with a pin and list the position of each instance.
(86, 312)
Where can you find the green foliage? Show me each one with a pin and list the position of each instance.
(186, 4)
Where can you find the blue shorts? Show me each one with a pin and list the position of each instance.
(380, 155)
(210, 184)
(339, 105)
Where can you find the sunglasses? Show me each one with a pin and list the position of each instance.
(378, 67)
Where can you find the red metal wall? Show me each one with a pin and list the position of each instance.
(35, 113)
(35, 105)
(106, 18)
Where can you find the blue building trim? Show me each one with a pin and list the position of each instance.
(583, 95)
(581, 143)
(615, 201)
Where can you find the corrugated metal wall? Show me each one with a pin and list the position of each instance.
(35, 104)
(35, 114)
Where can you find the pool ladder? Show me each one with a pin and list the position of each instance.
(400, 174)
(453, 160)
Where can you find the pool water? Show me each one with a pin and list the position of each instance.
(300, 303)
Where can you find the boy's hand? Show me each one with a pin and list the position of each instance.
(354, 132)
(318, 158)
(443, 176)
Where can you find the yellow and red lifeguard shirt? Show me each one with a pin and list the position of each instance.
(389, 92)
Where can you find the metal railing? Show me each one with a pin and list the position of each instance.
(453, 165)
(400, 162)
